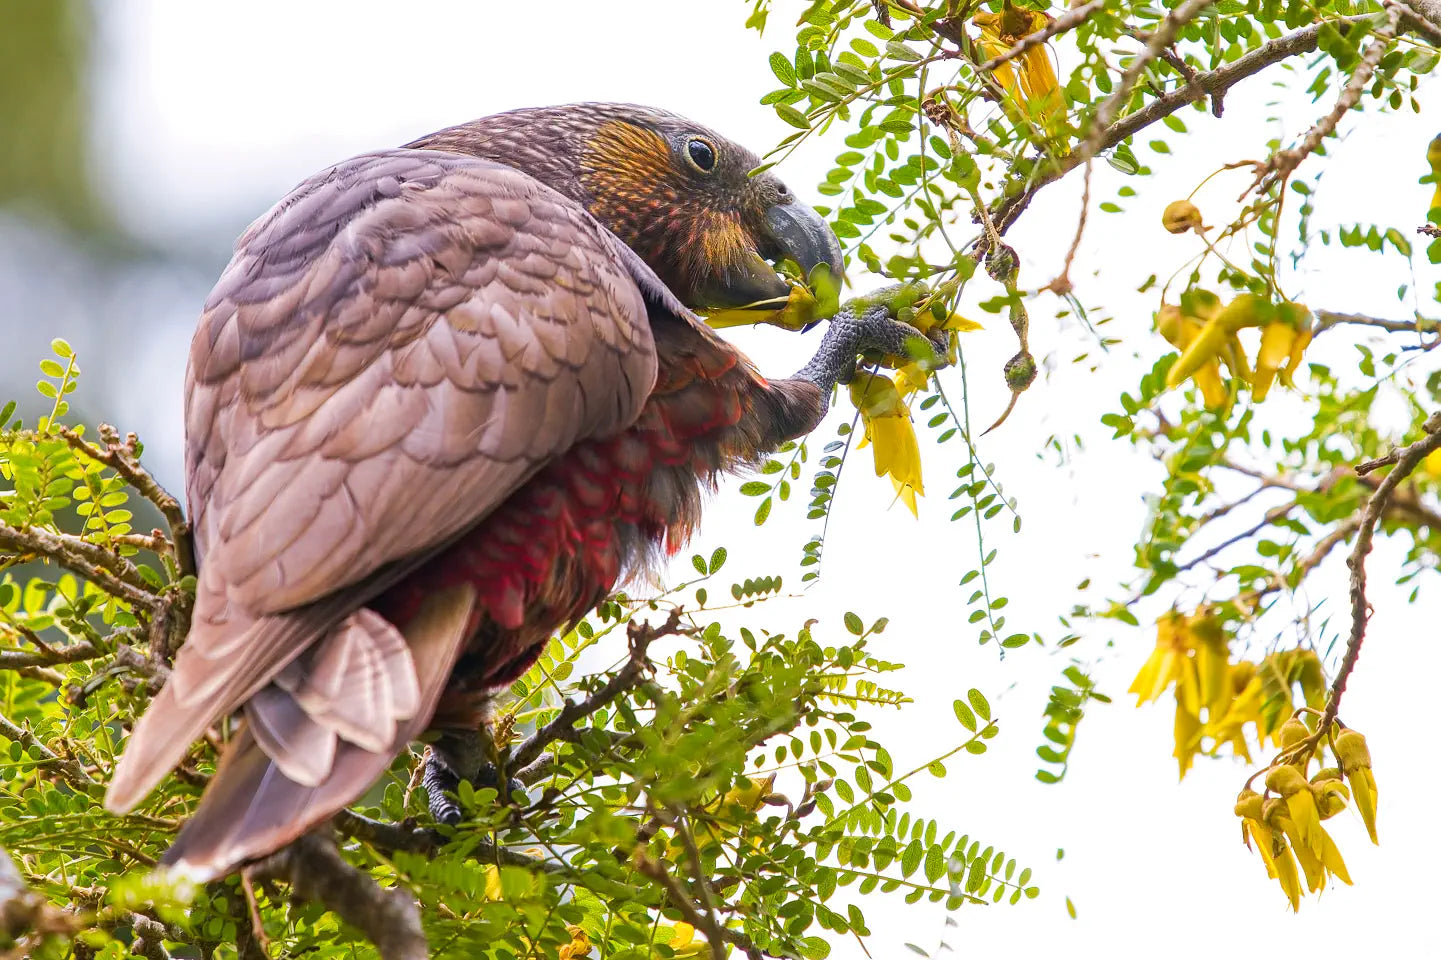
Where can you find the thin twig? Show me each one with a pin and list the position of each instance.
(562, 727)
(123, 459)
(1283, 162)
(1161, 38)
(1061, 285)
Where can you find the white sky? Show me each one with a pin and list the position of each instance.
(208, 115)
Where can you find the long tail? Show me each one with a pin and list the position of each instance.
(272, 785)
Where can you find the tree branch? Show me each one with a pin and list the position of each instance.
(1405, 460)
(123, 458)
(108, 571)
(1422, 16)
(1160, 40)
(1327, 319)
(1283, 162)
(316, 871)
(1212, 83)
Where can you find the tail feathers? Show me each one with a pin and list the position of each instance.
(203, 688)
(253, 806)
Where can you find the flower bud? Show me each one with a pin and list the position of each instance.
(1292, 732)
(1285, 780)
(1180, 216)
(1249, 804)
(1351, 751)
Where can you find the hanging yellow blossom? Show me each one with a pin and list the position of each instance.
(579, 945)
(1169, 663)
(1283, 341)
(1275, 854)
(1181, 328)
(1032, 81)
(1355, 759)
(888, 430)
(1182, 216)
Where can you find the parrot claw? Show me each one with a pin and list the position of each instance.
(452, 758)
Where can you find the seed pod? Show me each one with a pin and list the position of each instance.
(1020, 371)
(1181, 216)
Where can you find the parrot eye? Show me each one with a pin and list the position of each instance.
(701, 154)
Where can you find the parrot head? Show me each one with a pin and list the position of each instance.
(677, 193)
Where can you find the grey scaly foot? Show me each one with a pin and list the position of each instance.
(851, 334)
(455, 756)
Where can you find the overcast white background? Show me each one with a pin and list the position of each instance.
(208, 114)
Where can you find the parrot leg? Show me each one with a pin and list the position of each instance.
(848, 335)
(461, 755)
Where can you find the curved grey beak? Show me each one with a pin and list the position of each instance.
(796, 232)
(804, 237)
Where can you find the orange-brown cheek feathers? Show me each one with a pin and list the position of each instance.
(685, 231)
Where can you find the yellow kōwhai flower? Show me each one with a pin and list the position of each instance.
(1355, 759)
(1296, 814)
(889, 431)
(1181, 216)
(1433, 160)
(579, 945)
(1182, 326)
(1168, 663)
(1283, 342)
(1032, 81)
(1227, 726)
(1270, 844)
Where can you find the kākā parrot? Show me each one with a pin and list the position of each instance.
(441, 402)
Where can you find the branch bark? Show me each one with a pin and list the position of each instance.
(316, 871)
(1212, 83)
(1405, 460)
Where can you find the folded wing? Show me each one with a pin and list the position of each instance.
(393, 350)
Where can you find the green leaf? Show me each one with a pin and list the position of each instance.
(781, 67)
(978, 702)
(792, 116)
(899, 51)
(854, 624)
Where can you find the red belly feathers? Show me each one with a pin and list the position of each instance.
(561, 543)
